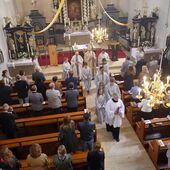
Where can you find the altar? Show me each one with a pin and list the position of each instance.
(14, 66)
(148, 53)
(83, 37)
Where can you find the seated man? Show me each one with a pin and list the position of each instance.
(72, 79)
(86, 129)
(7, 120)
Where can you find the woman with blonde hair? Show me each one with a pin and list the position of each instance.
(144, 72)
(7, 160)
(62, 160)
(36, 159)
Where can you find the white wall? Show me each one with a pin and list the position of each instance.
(7, 9)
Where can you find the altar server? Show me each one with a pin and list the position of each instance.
(77, 62)
(86, 77)
(112, 88)
(102, 55)
(66, 68)
(100, 102)
(101, 77)
(115, 111)
(90, 58)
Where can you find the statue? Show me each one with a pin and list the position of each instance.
(155, 12)
(27, 21)
(18, 19)
(148, 32)
(8, 22)
(143, 33)
(135, 32)
(93, 12)
(153, 31)
(137, 14)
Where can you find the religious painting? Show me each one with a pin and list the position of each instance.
(74, 9)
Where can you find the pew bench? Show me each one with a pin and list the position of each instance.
(152, 129)
(25, 110)
(157, 152)
(79, 161)
(49, 143)
(44, 124)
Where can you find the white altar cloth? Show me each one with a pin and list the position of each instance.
(20, 62)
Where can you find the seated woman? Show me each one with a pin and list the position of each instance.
(96, 158)
(62, 160)
(7, 160)
(36, 159)
(67, 134)
(134, 90)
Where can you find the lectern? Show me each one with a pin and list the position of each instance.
(52, 49)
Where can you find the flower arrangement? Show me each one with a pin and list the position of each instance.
(23, 55)
(147, 44)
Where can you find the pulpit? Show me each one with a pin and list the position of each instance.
(52, 49)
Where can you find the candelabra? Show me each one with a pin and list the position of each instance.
(99, 34)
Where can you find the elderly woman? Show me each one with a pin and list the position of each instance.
(6, 78)
(144, 72)
(36, 159)
(62, 160)
(7, 160)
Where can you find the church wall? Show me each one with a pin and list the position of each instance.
(7, 9)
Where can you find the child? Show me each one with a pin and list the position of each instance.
(66, 68)
(86, 77)
(100, 105)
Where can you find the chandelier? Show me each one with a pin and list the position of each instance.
(99, 34)
(156, 90)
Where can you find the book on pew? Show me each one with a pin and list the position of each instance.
(147, 122)
(161, 143)
(25, 104)
(168, 117)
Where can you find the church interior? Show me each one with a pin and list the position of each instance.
(85, 84)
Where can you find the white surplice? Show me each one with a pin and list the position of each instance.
(66, 69)
(87, 77)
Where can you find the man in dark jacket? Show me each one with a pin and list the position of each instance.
(87, 129)
(5, 92)
(22, 88)
(7, 120)
(38, 76)
(139, 65)
(72, 79)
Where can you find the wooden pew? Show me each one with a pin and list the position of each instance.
(25, 111)
(49, 143)
(14, 96)
(152, 129)
(157, 152)
(133, 113)
(79, 161)
(44, 124)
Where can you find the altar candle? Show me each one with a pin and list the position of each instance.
(144, 79)
(69, 37)
(28, 47)
(138, 41)
(139, 91)
(32, 53)
(154, 77)
(14, 48)
(168, 79)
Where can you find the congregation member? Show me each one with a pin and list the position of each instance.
(7, 78)
(125, 66)
(58, 85)
(71, 96)
(141, 62)
(96, 158)
(100, 103)
(36, 159)
(63, 160)
(36, 100)
(54, 99)
(8, 160)
(112, 88)
(23, 76)
(22, 88)
(38, 76)
(86, 77)
(5, 92)
(153, 66)
(128, 78)
(87, 129)
(66, 68)
(101, 76)
(143, 73)
(71, 79)
(135, 90)
(68, 136)
(145, 107)
(115, 112)
(7, 120)
(77, 63)
(102, 55)
(90, 59)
